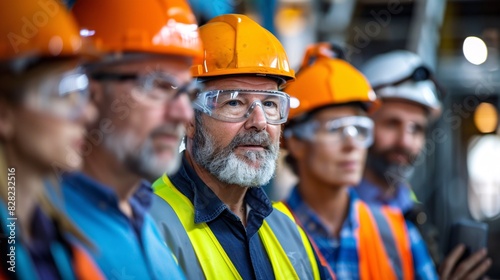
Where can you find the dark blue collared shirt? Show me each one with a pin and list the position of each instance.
(242, 245)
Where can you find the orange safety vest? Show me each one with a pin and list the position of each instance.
(374, 260)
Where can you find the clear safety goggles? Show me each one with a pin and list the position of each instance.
(63, 96)
(357, 128)
(155, 87)
(236, 105)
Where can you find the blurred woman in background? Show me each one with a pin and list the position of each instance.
(327, 137)
(43, 111)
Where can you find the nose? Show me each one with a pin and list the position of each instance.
(180, 109)
(349, 137)
(257, 118)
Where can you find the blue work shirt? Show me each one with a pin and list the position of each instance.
(125, 248)
(373, 196)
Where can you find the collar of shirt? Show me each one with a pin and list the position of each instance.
(98, 193)
(373, 195)
(206, 203)
(310, 220)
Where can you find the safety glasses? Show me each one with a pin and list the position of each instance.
(236, 105)
(357, 128)
(64, 96)
(156, 87)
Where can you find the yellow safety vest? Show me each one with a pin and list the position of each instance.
(214, 261)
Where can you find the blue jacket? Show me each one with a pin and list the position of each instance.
(125, 248)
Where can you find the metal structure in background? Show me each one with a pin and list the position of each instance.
(424, 36)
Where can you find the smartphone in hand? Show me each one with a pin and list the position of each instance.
(472, 234)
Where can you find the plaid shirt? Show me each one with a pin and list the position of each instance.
(342, 253)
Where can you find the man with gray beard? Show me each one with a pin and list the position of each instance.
(224, 162)
(142, 90)
(213, 214)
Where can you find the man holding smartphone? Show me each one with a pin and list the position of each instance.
(408, 91)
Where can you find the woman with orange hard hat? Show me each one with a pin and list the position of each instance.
(43, 110)
(327, 137)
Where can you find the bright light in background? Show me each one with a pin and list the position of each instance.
(486, 117)
(475, 50)
(484, 178)
(86, 32)
(294, 102)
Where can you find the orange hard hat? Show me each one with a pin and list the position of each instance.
(152, 26)
(235, 44)
(327, 81)
(33, 29)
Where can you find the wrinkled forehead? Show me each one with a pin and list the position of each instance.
(241, 82)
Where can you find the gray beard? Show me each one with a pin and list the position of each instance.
(141, 161)
(394, 174)
(227, 167)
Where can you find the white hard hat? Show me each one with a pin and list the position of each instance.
(402, 75)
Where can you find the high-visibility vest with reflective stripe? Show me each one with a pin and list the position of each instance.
(277, 234)
(383, 243)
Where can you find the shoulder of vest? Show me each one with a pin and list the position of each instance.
(283, 208)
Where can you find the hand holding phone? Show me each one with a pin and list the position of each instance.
(472, 234)
(466, 258)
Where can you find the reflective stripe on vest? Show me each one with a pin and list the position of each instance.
(305, 240)
(382, 236)
(401, 239)
(212, 258)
